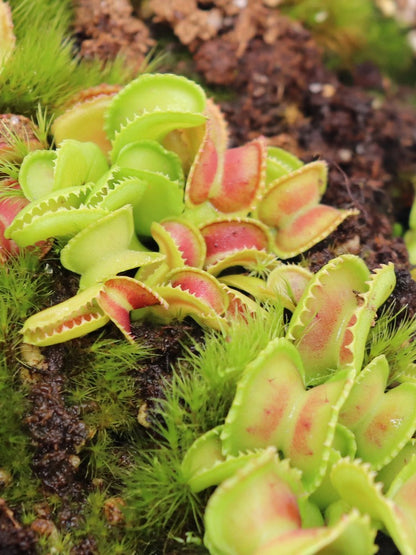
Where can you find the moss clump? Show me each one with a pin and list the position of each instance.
(44, 68)
(23, 289)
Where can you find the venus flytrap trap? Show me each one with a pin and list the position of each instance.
(207, 167)
(271, 407)
(276, 516)
(395, 510)
(235, 242)
(58, 214)
(83, 117)
(205, 465)
(106, 247)
(193, 292)
(288, 282)
(181, 242)
(285, 282)
(89, 310)
(290, 206)
(382, 423)
(45, 171)
(332, 319)
(263, 516)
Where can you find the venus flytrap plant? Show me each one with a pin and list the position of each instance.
(209, 462)
(294, 396)
(149, 164)
(211, 218)
(348, 414)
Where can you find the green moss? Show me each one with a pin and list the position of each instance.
(105, 381)
(393, 336)
(43, 68)
(23, 289)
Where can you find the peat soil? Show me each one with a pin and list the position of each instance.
(269, 77)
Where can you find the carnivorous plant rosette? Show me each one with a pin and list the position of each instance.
(296, 459)
(170, 178)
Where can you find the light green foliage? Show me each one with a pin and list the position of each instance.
(354, 31)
